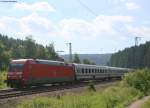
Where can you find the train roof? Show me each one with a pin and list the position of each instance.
(41, 61)
(51, 62)
(98, 66)
(20, 60)
(59, 63)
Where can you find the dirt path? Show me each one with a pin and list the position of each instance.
(139, 103)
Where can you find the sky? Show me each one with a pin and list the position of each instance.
(92, 26)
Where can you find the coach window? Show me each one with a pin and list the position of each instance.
(82, 70)
(86, 70)
(101, 70)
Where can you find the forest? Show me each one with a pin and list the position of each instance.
(133, 57)
(16, 48)
(10, 48)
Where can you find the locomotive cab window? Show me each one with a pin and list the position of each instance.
(16, 67)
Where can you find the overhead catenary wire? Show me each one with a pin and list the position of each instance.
(95, 14)
(87, 8)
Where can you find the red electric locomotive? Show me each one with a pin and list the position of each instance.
(25, 72)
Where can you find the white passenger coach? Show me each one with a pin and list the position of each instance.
(84, 72)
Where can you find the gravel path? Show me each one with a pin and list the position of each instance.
(139, 103)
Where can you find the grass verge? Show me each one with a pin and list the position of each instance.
(146, 104)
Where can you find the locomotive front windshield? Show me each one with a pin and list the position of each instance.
(16, 67)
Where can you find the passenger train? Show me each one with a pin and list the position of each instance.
(29, 72)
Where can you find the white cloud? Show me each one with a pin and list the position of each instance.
(132, 6)
(96, 27)
(1, 24)
(67, 29)
(35, 23)
(38, 6)
(28, 25)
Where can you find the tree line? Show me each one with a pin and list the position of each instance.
(11, 48)
(85, 61)
(133, 57)
(16, 48)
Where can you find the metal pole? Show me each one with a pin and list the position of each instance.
(137, 40)
(70, 52)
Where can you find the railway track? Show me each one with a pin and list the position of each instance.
(10, 93)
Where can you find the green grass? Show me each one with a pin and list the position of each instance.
(107, 99)
(112, 97)
(146, 104)
(2, 79)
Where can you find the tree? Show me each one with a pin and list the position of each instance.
(4, 57)
(50, 52)
(30, 47)
(76, 58)
(15, 49)
(86, 61)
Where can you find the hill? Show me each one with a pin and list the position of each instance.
(133, 57)
(99, 59)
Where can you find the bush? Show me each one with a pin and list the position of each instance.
(119, 97)
(91, 86)
(139, 80)
(2, 79)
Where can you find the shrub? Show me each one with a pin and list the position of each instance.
(119, 97)
(2, 79)
(139, 79)
(91, 86)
